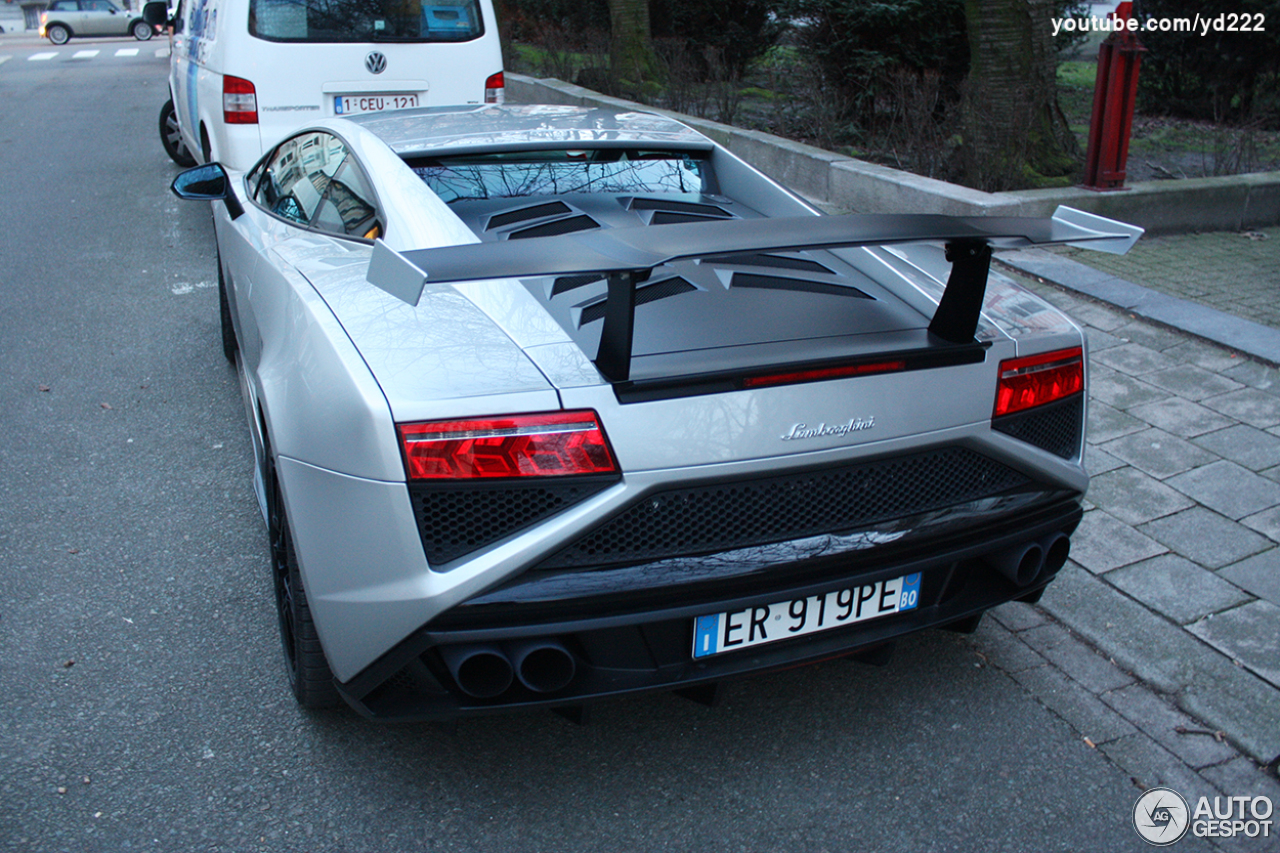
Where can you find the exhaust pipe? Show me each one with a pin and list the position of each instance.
(544, 666)
(1057, 548)
(481, 671)
(1020, 564)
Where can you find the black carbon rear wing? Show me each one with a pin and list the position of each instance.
(626, 256)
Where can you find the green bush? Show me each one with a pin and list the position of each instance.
(863, 48)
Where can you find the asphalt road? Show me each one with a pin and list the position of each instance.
(144, 703)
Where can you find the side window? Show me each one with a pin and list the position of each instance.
(311, 179)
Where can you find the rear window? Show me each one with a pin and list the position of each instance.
(540, 173)
(365, 20)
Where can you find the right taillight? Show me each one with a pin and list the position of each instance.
(239, 101)
(1038, 379)
(495, 89)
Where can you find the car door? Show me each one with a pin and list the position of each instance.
(101, 18)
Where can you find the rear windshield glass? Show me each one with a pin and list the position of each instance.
(365, 20)
(530, 173)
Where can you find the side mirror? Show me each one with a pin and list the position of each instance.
(207, 183)
(156, 13)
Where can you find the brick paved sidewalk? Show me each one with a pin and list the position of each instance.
(1175, 572)
(1235, 272)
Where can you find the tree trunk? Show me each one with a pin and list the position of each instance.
(631, 56)
(1015, 134)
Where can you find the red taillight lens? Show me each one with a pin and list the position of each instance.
(549, 445)
(495, 89)
(1039, 379)
(239, 101)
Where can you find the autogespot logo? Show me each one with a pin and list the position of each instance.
(1161, 816)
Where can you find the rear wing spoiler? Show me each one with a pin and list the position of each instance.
(626, 256)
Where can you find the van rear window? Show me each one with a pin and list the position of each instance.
(365, 20)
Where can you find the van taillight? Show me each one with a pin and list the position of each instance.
(495, 89)
(239, 101)
(1038, 379)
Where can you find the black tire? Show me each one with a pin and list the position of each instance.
(141, 30)
(171, 136)
(58, 34)
(229, 344)
(309, 675)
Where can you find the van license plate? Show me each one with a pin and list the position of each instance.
(350, 105)
(740, 629)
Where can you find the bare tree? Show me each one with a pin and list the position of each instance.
(631, 54)
(1014, 131)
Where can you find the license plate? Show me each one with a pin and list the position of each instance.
(350, 105)
(769, 623)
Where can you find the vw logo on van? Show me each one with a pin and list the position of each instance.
(375, 62)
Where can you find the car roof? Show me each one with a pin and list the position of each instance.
(523, 127)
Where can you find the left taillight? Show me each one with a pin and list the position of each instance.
(495, 89)
(1038, 379)
(554, 444)
(239, 101)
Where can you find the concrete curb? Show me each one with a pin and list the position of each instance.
(1230, 203)
(1227, 330)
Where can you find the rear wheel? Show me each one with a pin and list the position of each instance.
(141, 30)
(171, 136)
(309, 674)
(58, 34)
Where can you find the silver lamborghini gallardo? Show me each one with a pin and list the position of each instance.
(551, 404)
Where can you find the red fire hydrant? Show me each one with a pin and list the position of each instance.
(1113, 98)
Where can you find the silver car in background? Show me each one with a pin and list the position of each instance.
(550, 404)
(82, 18)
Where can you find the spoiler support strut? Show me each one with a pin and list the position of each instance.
(956, 320)
(627, 256)
(613, 359)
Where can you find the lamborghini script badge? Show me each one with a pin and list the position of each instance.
(800, 431)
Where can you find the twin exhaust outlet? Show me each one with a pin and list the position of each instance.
(1025, 563)
(487, 670)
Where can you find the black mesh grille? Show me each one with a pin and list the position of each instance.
(773, 282)
(554, 208)
(680, 206)
(571, 282)
(716, 517)
(673, 286)
(1055, 428)
(456, 521)
(671, 217)
(581, 222)
(776, 261)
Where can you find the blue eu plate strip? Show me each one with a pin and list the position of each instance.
(706, 634)
(910, 599)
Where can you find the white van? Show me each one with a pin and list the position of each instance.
(243, 73)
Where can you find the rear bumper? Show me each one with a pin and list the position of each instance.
(628, 642)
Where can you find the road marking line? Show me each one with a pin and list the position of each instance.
(162, 53)
(127, 51)
(86, 54)
(40, 57)
(4, 59)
